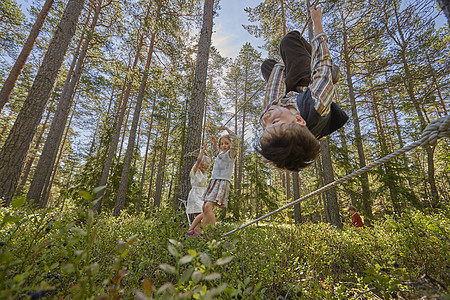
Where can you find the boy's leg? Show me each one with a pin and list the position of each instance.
(296, 54)
(267, 67)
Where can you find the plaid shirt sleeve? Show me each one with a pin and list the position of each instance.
(321, 86)
(275, 88)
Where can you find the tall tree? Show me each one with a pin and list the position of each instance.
(346, 14)
(197, 97)
(16, 146)
(41, 179)
(122, 109)
(17, 69)
(123, 186)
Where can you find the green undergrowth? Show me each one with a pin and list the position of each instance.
(77, 255)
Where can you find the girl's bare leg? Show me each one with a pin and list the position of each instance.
(208, 214)
(196, 223)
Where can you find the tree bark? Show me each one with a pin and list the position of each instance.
(197, 97)
(144, 167)
(41, 178)
(123, 186)
(30, 161)
(16, 146)
(161, 165)
(365, 197)
(17, 69)
(47, 191)
(297, 207)
(408, 80)
(332, 206)
(122, 109)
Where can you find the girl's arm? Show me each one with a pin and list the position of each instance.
(199, 159)
(214, 146)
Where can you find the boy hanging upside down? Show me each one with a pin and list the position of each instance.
(299, 107)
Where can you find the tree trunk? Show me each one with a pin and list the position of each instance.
(17, 69)
(410, 88)
(29, 163)
(47, 191)
(122, 108)
(144, 167)
(161, 165)
(328, 176)
(16, 146)
(123, 186)
(365, 197)
(389, 176)
(42, 175)
(297, 207)
(197, 97)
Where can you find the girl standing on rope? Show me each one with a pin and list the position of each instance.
(219, 186)
(299, 107)
(198, 183)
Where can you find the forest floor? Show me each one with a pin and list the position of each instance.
(77, 255)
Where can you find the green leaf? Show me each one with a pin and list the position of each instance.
(78, 231)
(18, 202)
(370, 271)
(368, 279)
(204, 258)
(197, 276)
(168, 268)
(166, 287)
(68, 268)
(85, 195)
(224, 260)
(212, 276)
(54, 265)
(173, 251)
(132, 239)
(99, 189)
(186, 275)
(192, 252)
(186, 259)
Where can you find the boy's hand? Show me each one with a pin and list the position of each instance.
(316, 17)
(316, 14)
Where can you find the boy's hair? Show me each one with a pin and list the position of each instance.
(350, 207)
(289, 146)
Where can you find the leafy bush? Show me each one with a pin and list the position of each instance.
(76, 255)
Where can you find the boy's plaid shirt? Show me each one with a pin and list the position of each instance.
(321, 86)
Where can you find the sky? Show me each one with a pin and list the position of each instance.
(228, 34)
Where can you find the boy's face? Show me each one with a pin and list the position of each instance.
(277, 115)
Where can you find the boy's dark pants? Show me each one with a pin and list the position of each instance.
(296, 54)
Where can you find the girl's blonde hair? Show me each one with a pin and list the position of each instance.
(206, 160)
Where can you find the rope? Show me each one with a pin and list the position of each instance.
(194, 152)
(436, 129)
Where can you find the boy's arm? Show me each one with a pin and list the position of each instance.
(275, 88)
(322, 87)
